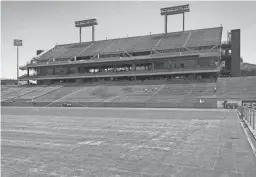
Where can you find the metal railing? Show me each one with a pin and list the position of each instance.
(249, 115)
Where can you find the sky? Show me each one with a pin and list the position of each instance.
(42, 24)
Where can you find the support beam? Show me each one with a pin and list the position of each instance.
(153, 66)
(183, 21)
(93, 33)
(80, 34)
(17, 64)
(170, 65)
(165, 19)
(28, 74)
(133, 67)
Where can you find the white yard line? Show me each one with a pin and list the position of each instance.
(111, 98)
(158, 90)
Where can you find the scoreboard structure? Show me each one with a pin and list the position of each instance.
(174, 11)
(86, 23)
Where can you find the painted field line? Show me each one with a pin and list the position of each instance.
(158, 90)
(247, 135)
(121, 108)
(64, 97)
(111, 98)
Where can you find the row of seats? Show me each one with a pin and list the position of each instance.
(202, 37)
(21, 92)
(28, 93)
(40, 92)
(237, 88)
(133, 93)
(180, 94)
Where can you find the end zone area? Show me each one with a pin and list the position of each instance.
(124, 142)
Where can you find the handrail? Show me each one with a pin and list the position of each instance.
(249, 115)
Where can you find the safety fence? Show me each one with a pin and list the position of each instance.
(249, 115)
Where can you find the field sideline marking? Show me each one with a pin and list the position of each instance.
(65, 97)
(247, 135)
(120, 108)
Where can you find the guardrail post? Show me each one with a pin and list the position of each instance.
(247, 114)
(250, 116)
(254, 121)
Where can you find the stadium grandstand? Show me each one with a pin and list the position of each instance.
(184, 69)
(189, 54)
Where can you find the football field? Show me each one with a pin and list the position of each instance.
(124, 142)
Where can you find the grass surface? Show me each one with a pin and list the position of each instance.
(123, 142)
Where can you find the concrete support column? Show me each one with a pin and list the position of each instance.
(165, 22)
(28, 74)
(153, 66)
(80, 34)
(134, 67)
(170, 65)
(93, 33)
(183, 21)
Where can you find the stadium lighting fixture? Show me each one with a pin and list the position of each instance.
(86, 23)
(17, 42)
(173, 11)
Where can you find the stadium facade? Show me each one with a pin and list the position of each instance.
(189, 55)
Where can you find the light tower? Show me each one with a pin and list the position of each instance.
(17, 42)
(173, 11)
(86, 23)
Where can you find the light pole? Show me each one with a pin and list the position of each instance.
(17, 43)
(17, 63)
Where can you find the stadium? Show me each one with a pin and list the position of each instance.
(167, 104)
(149, 71)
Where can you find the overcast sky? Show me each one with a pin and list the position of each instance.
(43, 24)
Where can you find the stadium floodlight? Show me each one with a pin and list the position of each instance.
(86, 23)
(17, 42)
(173, 11)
